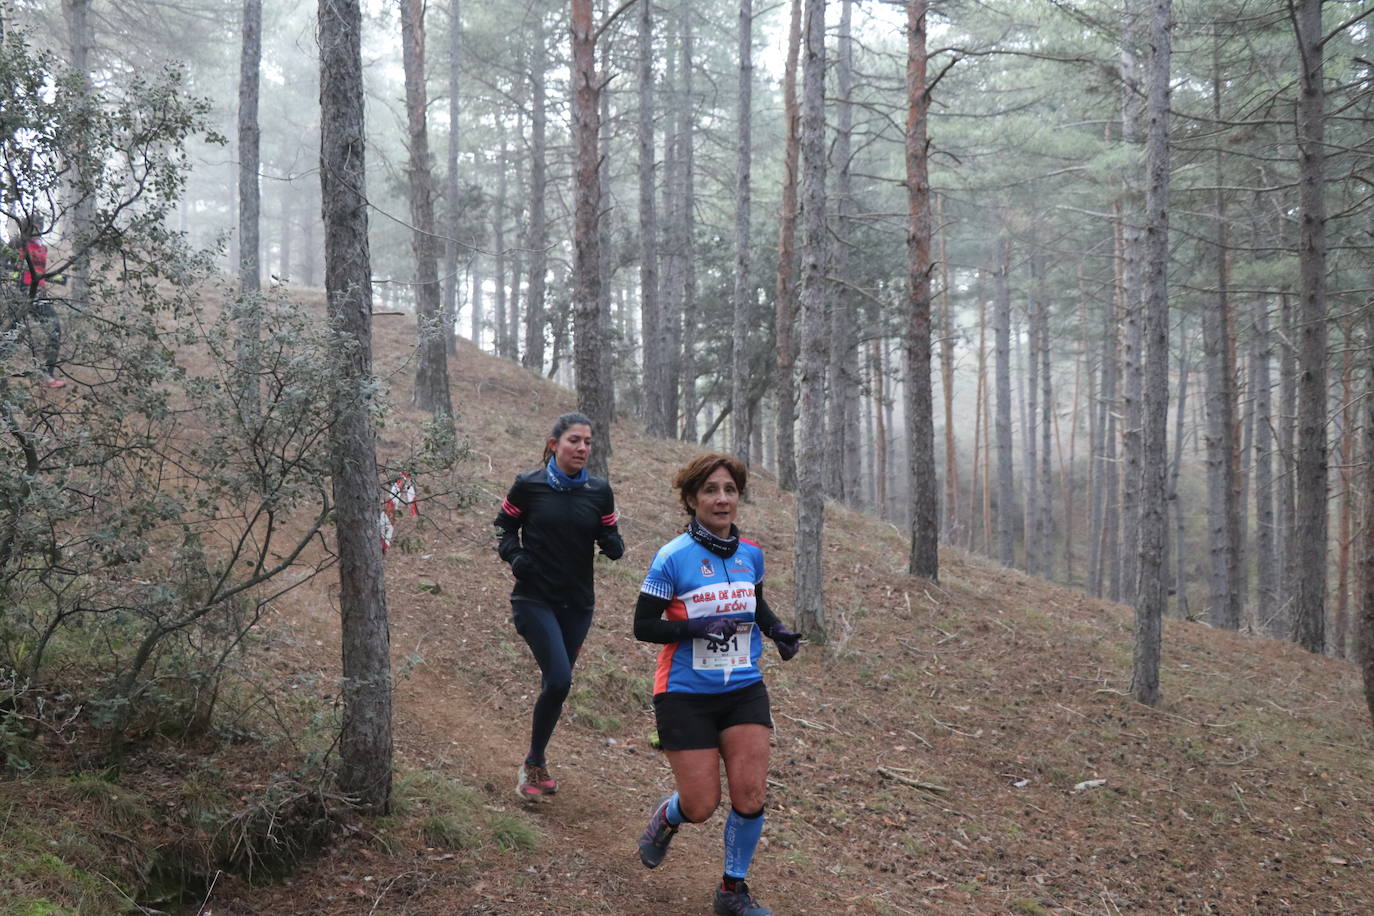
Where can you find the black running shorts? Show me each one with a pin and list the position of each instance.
(693, 721)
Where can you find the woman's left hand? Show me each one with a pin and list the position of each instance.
(788, 643)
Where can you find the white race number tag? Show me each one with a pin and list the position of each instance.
(709, 655)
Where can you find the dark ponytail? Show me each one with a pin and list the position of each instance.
(560, 426)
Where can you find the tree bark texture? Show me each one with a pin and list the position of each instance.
(1346, 504)
(842, 458)
(1266, 554)
(744, 283)
(431, 366)
(1045, 524)
(809, 576)
(686, 222)
(1131, 383)
(498, 238)
(1222, 602)
(920, 405)
(785, 304)
(250, 64)
(1364, 621)
(250, 201)
(1001, 332)
(1310, 521)
(1180, 516)
(365, 747)
(1151, 596)
(950, 507)
(605, 260)
(535, 318)
(80, 43)
(455, 110)
(1223, 480)
(1287, 488)
(588, 331)
(652, 332)
(1030, 425)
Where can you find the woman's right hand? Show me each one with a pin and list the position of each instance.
(715, 628)
(522, 566)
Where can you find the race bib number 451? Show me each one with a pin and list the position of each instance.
(709, 655)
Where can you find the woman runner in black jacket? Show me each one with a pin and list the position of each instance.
(547, 525)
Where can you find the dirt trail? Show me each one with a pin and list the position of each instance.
(1247, 792)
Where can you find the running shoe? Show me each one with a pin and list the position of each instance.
(738, 902)
(653, 842)
(534, 782)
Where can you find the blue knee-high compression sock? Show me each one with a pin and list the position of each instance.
(674, 813)
(742, 832)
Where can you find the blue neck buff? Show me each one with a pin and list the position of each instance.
(562, 482)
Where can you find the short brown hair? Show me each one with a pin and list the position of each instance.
(691, 477)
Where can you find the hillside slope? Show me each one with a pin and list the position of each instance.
(1046, 788)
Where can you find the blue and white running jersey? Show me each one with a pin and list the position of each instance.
(699, 583)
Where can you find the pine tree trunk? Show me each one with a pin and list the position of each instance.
(287, 231)
(1266, 555)
(1067, 482)
(1130, 384)
(841, 426)
(920, 404)
(1180, 517)
(535, 318)
(1029, 359)
(1346, 508)
(431, 367)
(744, 285)
(365, 747)
(651, 320)
(1223, 603)
(1224, 508)
(688, 311)
(1309, 541)
(80, 40)
(981, 443)
(250, 273)
(809, 576)
(476, 279)
(498, 240)
(953, 524)
(455, 109)
(1091, 485)
(674, 259)
(588, 327)
(1006, 483)
(1045, 527)
(785, 301)
(1364, 623)
(605, 260)
(517, 267)
(1287, 499)
(1111, 401)
(309, 274)
(1151, 598)
(880, 468)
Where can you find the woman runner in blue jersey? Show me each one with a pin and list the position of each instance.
(703, 601)
(547, 525)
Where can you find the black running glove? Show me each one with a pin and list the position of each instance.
(715, 629)
(788, 643)
(522, 566)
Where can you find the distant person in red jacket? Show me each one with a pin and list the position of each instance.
(30, 260)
